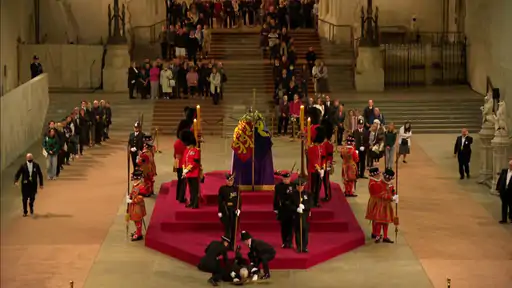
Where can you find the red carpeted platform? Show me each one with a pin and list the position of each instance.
(184, 233)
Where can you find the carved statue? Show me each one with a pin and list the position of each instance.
(500, 126)
(487, 113)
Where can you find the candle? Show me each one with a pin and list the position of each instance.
(309, 131)
(301, 118)
(198, 110)
(195, 129)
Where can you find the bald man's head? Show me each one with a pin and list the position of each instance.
(464, 132)
(29, 157)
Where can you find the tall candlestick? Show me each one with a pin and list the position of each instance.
(198, 110)
(195, 129)
(309, 131)
(301, 118)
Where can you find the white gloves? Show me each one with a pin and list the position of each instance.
(322, 172)
(254, 277)
(395, 198)
(236, 280)
(299, 210)
(301, 206)
(133, 149)
(361, 148)
(219, 214)
(237, 212)
(328, 168)
(275, 211)
(185, 171)
(233, 275)
(128, 200)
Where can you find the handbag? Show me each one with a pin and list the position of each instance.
(172, 83)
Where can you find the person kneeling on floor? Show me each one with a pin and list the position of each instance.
(211, 260)
(260, 253)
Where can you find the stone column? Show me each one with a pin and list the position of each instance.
(115, 72)
(500, 145)
(486, 153)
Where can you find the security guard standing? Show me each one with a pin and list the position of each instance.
(284, 208)
(229, 207)
(302, 203)
(210, 262)
(136, 143)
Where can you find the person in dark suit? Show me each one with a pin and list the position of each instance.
(462, 150)
(30, 174)
(504, 187)
(328, 106)
(133, 75)
(260, 253)
(338, 120)
(362, 137)
(136, 143)
(210, 261)
(36, 68)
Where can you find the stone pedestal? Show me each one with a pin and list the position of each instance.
(115, 73)
(486, 135)
(500, 145)
(369, 72)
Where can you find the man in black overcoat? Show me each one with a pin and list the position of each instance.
(504, 187)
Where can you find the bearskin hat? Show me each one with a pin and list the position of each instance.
(190, 114)
(314, 114)
(320, 135)
(329, 128)
(188, 138)
(183, 125)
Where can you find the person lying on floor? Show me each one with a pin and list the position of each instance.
(211, 260)
(239, 270)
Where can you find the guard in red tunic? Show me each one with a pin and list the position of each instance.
(381, 209)
(328, 150)
(192, 167)
(179, 162)
(315, 162)
(374, 187)
(146, 165)
(350, 158)
(136, 207)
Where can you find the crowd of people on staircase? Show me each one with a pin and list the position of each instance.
(238, 13)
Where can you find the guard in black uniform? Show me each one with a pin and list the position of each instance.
(210, 262)
(302, 203)
(260, 253)
(136, 143)
(284, 208)
(229, 207)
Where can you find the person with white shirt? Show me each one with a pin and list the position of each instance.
(504, 187)
(462, 150)
(30, 174)
(404, 141)
(136, 143)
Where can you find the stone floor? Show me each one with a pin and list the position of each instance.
(448, 228)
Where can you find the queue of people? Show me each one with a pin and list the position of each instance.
(63, 141)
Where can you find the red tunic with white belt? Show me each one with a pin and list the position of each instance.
(179, 151)
(328, 150)
(192, 162)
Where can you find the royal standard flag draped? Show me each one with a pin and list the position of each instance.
(244, 144)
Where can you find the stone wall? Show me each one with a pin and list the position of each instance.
(490, 43)
(68, 66)
(23, 111)
(16, 24)
(391, 13)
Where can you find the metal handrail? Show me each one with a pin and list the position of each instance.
(354, 43)
(153, 37)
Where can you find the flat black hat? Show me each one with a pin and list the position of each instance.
(226, 239)
(300, 181)
(389, 173)
(229, 176)
(245, 236)
(148, 138)
(285, 173)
